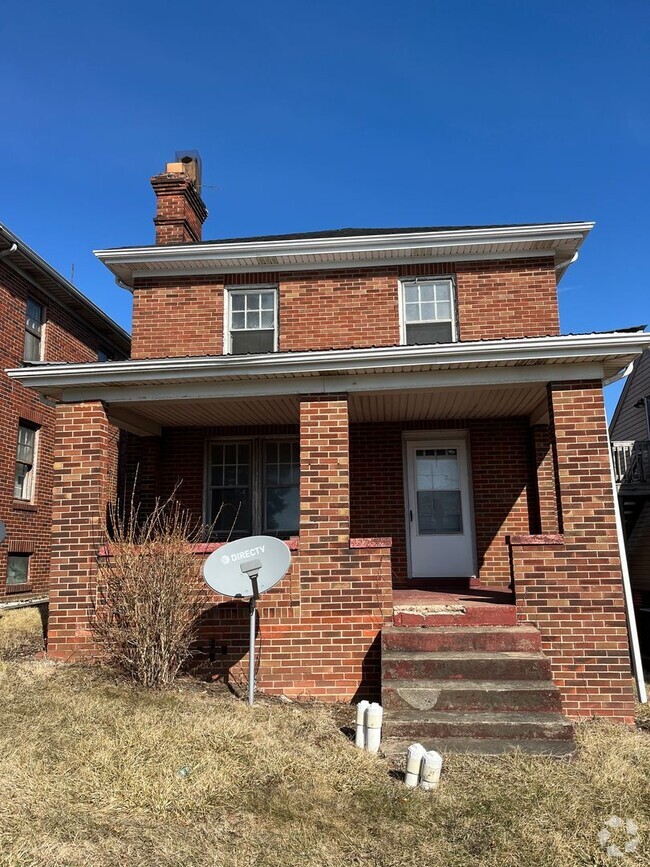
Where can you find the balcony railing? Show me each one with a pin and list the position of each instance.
(631, 462)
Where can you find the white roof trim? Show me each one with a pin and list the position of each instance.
(552, 239)
(617, 348)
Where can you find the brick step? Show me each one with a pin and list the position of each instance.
(439, 725)
(402, 665)
(396, 747)
(462, 638)
(464, 695)
(476, 615)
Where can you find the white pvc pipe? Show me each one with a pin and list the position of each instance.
(637, 663)
(360, 735)
(374, 716)
(431, 770)
(414, 756)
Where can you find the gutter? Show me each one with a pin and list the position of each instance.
(564, 348)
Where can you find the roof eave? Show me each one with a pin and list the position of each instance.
(269, 255)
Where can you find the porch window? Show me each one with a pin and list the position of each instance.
(34, 318)
(428, 314)
(25, 462)
(253, 487)
(251, 321)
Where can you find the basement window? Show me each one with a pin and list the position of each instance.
(34, 319)
(427, 311)
(251, 321)
(25, 462)
(17, 569)
(253, 487)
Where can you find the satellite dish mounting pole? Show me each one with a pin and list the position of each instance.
(252, 569)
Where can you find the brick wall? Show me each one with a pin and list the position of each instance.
(341, 309)
(501, 499)
(85, 482)
(65, 339)
(570, 587)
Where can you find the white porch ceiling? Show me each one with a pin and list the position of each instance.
(388, 406)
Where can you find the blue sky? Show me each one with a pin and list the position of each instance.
(312, 115)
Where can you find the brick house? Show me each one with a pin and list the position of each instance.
(45, 320)
(401, 406)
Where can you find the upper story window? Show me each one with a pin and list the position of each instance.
(34, 319)
(251, 321)
(427, 311)
(25, 462)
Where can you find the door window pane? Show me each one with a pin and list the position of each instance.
(439, 506)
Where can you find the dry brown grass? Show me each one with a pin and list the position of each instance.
(90, 776)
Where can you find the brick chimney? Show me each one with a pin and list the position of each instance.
(180, 212)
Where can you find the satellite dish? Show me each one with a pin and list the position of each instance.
(230, 569)
(248, 567)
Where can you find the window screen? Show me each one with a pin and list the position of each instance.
(252, 321)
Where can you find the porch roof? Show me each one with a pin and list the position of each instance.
(489, 378)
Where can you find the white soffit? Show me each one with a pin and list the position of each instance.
(560, 240)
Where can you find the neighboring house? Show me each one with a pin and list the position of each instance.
(630, 435)
(45, 320)
(401, 406)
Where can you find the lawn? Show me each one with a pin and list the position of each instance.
(96, 772)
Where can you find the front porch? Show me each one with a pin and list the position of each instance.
(508, 452)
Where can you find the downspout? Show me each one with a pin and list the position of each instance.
(637, 664)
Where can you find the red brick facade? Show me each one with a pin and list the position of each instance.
(354, 308)
(85, 482)
(570, 587)
(65, 338)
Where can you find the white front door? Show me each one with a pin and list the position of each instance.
(439, 514)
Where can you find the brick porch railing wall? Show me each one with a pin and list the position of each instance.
(570, 585)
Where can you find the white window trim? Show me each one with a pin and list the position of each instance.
(257, 486)
(259, 287)
(32, 476)
(402, 309)
(41, 356)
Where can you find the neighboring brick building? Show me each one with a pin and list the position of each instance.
(44, 320)
(401, 405)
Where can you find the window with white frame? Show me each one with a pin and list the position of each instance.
(34, 319)
(251, 320)
(253, 487)
(25, 462)
(17, 569)
(428, 314)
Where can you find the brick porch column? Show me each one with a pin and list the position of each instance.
(571, 586)
(324, 472)
(85, 481)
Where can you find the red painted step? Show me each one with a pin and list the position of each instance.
(467, 695)
(399, 665)
(463, 638)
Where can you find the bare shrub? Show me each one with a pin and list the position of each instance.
(150, 593)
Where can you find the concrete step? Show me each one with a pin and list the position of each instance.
(402, 665)
(462, 638)
(396, 748)
(465, 695)
(439, 725)
(472, 615)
